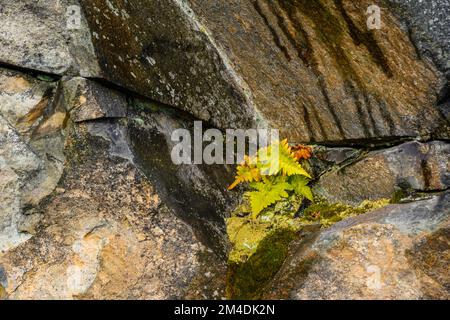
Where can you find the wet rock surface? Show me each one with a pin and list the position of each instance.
(198, 192)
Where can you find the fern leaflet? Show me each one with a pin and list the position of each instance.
(268, 193)
(300, 186)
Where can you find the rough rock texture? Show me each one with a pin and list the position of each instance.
(310, 59)
(411, 166)
(429, 27)
(316, 61)
(84, 185)
(237, 63)
(197, 192)
(154, 48)
(90, 100)
(91, 205)
(326, 158)
(159, 49)
(117, 245)
(31, 143)
(25, 163)
(398, 252)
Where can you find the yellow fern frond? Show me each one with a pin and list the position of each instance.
(246, 172)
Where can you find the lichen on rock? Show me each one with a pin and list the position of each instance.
(397, 252)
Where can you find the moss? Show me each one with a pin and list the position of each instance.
(47, 78)
(247, 280)
(139, 121)
(3, 293)
(291, 278)
(260, 246)
(151, 106)
(245, 234)
(144, 105)
(407, 196)
(328, 214)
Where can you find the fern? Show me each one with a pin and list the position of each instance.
(247, 172)
(300, 186)
(273, 176)
(265, 161)
(287, 163)
(302, 152)
(268, 193)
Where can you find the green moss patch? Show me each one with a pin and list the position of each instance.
(328, 214)
(260, 246)
(246, 280)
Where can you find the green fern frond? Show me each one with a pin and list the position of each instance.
(268, 192)
(266, 162)
(300, 186)
(286, 163)
(273, 174)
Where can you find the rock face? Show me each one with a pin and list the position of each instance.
(197, 192)
(236, 64)
(83, 243)
(428, 26)
(169, 56)
(398, 252)
(91, 100)
(314, 59)
(92, 206)
(118, 245)
(46, 36)
(84, 193)
(410, 166)
(31, 143)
